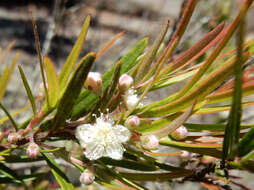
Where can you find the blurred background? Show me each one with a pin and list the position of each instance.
(59, 23)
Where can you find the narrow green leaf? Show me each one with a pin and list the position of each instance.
(226, 95)
(133, 165)
(149, 57)
(194, 127)
(28, 90)
(206, 86)
(228, 34)
(87, 100)
(172, 126)
(173, 80)
(215, 109)
(52, 81)
(156, 176)
(72, 58)
(206, 149)
(6, 171)
(6, 118)
(199, 48)
(58, 173)
(72, 91)
(6, 51)
(38, 49)
(232, 132)
(9, 116)
(246, 144)
(6, 76)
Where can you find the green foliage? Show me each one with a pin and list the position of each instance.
(71, 114)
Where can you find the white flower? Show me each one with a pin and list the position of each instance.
(131, 99)
(104, 138)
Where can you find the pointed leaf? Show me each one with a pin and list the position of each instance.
(58, 173)
(38, 49)
(246, 144)
(206, 86)
(200, 148)
(150, 55)
(109, 44)
(72, 91)
(72, 58)
(228, 34)
(166, 130)
(14, 114)
(52, 81)
(28, 90)
(9, 116)
(6, 51)
(156, 176)
(6, 75)
(232, 132)
(199, 48)
(6, 171)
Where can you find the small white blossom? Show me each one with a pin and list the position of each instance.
(131, 99)
(104, 138)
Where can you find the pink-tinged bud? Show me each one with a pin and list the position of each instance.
(150, 142)
(180, 133)
(94, 83)
(13, 137)
(125, 82)
(33, 150)
(132, 121)
(87, 177)
(185, 155)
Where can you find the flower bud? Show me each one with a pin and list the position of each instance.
(150, 142)
(125, 82)
(132, 121)
(94, 83)
(87, 177)
(33, 150)
(13, 137)
(185, 155)
(180, 133)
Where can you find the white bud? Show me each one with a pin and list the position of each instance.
(150, 142)
(87, 177)
(13, 137)
(125, 82)
(132, 121)
(94, 83)
(33, 150)
(180, 133)
(185, 155)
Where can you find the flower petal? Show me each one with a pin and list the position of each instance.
(94, 151)
(114, 151)
(122, 133)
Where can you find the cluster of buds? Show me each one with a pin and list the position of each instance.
(94, 83)
(129, 95)
(87, 177)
